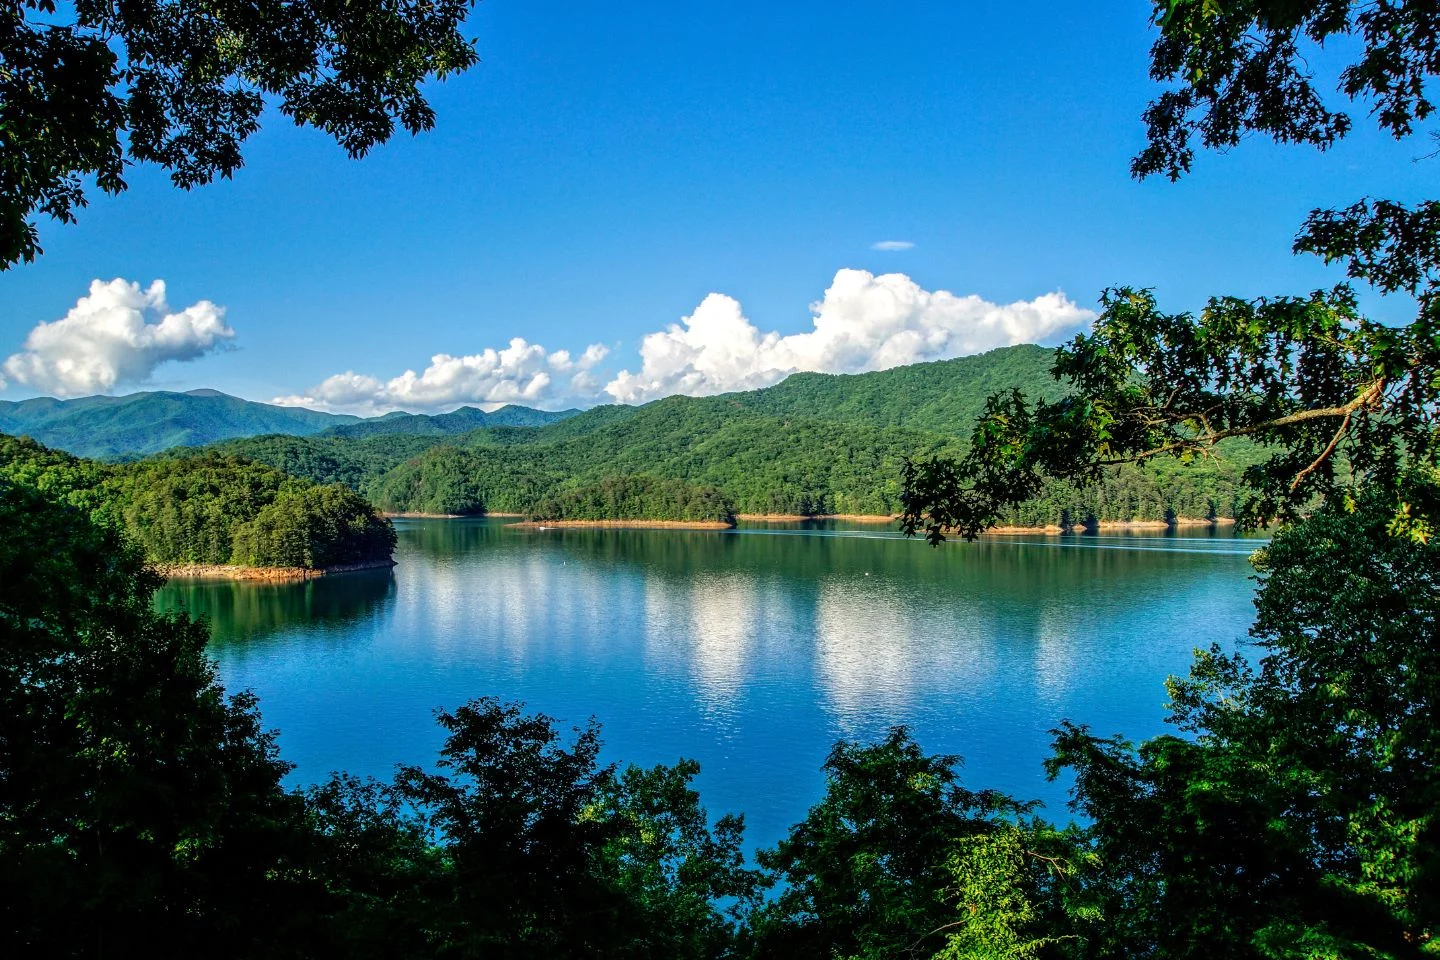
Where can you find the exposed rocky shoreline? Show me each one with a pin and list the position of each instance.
(1179, 522)
(221, 571)
(797, 517)
(632, 524)
(405, 515)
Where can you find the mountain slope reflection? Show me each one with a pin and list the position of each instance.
(251, 613)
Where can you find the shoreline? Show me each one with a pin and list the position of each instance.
(798, 517)
(225, 571)
(1055, 530)
(1048, 529)
(630, 524)
(1001, 530)
(412, 515)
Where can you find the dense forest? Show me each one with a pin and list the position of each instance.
(138, 424)
(637, 498)
(210, 509)
(815, 444)
(145, 423)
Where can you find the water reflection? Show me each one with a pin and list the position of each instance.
(866, 653)
(751, 651)
(253, 613)
(724, 616)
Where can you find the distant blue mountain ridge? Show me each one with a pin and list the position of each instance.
(143, 423)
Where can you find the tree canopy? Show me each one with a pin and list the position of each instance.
(143, 811)
(210, 509)
(1337, 399)
(1240, 68)
(140, 808)
(1295, 814)
(86, 89)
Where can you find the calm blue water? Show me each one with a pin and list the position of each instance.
(751, 651)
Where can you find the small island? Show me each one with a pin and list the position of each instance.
(212, 515)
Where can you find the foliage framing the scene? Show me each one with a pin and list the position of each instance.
(88, 88)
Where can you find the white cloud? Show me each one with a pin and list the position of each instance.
(522, 373)
(864, 322)
(115, 334)
(893, 245)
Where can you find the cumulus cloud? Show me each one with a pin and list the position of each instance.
(864, 322)
(523, 373)
(892, 245)
(117, 333)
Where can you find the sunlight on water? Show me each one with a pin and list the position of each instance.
(751, 651)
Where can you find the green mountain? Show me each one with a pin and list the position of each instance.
(142, 423)
(462, 420)
(814, 444)
(146, 423)
(945, 396)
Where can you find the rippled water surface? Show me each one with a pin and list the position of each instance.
(751, 651)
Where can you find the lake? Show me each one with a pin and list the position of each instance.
(751, 650)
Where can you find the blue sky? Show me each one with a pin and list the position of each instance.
(607, 167)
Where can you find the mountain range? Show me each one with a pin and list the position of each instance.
(139, 424)
(812, 444)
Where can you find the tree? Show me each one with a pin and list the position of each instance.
(1296, 817)
(90, 88)
(1344, 702)
(1306, 375)
(1240, 68)
(546, 852)
(1013, 898)
(1299, 813)
(141, 810)
(866, 873)
(1334, 400)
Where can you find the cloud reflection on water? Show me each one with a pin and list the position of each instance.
(750, 652)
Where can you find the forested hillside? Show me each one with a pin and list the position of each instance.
(638, 498)
(814, 444)
(209, 509)
(462, 420)
(143, 423)
(942, 397)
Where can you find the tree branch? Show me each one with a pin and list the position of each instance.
(1329, 449)
(1367, 399)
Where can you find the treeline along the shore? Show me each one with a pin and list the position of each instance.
(625, 498)
(210, 509)
(812, 445)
